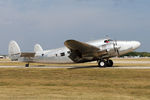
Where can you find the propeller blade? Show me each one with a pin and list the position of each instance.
(116, 48)
(116, 42)
(118, 52)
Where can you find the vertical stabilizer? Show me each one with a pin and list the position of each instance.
(38, 48)
(14, 51)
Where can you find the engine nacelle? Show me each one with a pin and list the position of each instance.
(110, 48)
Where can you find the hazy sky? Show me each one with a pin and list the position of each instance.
(51, 22)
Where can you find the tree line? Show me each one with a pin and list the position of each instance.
(140, 54)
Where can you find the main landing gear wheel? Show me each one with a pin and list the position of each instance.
(105, 63)
(110, 63)
(102, 63)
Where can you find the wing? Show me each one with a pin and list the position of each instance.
(81, 52)
(80, 46)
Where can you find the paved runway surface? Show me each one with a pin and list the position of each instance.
(72, 67)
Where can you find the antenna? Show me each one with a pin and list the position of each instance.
(107, 36)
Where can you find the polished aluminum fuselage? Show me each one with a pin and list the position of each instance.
(60, 55)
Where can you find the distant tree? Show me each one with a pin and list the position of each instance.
(141, 54)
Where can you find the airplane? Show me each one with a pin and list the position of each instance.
(75, 52)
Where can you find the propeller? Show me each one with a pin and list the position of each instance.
(116, 47)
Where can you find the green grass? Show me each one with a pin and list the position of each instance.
(74, 84)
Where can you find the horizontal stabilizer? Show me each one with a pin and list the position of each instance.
(27, 54)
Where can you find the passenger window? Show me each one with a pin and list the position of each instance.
(62, 54)
(68, 52)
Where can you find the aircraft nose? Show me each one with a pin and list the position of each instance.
(136, 44)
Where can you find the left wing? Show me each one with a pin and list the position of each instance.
(81, 52)
(80, 46)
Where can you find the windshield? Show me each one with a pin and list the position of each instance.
(107, 41)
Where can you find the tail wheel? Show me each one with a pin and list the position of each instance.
(102, 63)
(27, 65)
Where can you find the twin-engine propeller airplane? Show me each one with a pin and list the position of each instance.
(75, 52)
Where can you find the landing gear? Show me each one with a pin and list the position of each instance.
(105, 63)
(27, 65)
(110, 63)
(102, 63)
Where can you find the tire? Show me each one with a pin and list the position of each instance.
(27, 65)
(110, 63)
(102, 63)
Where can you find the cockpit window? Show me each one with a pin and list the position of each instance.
(62, 54)
(107, 41)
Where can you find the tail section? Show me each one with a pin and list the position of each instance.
(38, 48)
(14, 51)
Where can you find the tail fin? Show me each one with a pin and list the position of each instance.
(14, 51)
(38, 48)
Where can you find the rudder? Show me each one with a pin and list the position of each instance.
(14, 51)
(38, 48)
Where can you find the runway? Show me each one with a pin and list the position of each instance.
(81, 67)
